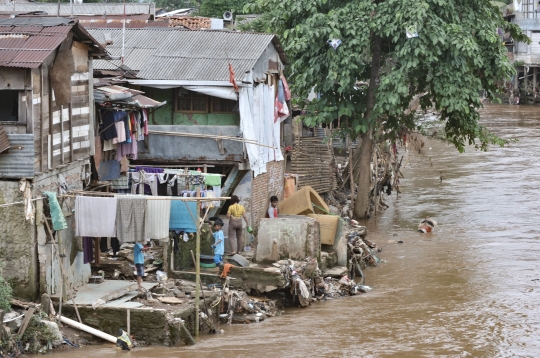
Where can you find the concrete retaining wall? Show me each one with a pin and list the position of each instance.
(289, 236)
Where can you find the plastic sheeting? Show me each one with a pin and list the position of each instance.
(257, 123)
(215, 91)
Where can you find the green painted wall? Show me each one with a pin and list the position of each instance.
(166, 115)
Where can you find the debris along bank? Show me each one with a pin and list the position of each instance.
(298, 260)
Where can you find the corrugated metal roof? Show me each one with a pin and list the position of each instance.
(176, 54)
(27, 42)
(82, 9)
(4, 141)
(18, 161)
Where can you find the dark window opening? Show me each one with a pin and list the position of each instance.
(9, 105)
(194, 102)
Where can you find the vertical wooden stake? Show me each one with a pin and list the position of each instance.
(128, 322)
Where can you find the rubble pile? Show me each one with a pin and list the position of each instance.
(238, 307)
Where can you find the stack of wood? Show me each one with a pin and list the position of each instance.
(313, 161)
(190, 22)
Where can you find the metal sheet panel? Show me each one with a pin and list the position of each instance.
(171, 148)
(18, 161)
(177, 54)
(81, 9)
(4, 141)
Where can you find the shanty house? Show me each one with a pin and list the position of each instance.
(46, 121)
(220, 88)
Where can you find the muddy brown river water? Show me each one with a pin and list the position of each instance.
(470, 289)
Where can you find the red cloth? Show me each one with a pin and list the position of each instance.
(286, 88)
(232, 78)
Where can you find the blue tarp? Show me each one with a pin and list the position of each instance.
(180, 215)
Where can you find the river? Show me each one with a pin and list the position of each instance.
(470, 289)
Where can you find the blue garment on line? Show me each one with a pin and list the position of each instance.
(180, 216)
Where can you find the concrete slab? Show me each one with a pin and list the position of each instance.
(118, 302)
(336, 272)
(109, 290)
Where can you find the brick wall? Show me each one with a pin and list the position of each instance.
(263, 187)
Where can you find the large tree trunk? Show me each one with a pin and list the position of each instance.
(366, 149)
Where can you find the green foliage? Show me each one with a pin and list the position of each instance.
(456, 55)
(5, 294)
(38, 335)
(216, 8)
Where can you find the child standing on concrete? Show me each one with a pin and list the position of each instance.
(273, 209)
(138, 259)
(219, 243)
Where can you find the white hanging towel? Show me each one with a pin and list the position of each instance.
(158, 213)
(95, 217)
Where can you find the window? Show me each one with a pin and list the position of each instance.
(189, 101)
(220, 105)
(9, 105)
(194, 102)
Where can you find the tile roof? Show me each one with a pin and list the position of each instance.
(108, 8)
(116, 21)
(27, 42)
(176, 54)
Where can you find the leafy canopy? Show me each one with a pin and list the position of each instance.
(456, 55)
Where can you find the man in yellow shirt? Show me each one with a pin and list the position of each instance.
(235, 213)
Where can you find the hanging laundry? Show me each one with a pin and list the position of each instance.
(95, 217)
(122, 182)
(29, 208)
(126, 148)
(108, 129)
(141, 178)
(167, 185)
(158, 213)
(181, 184)
(109, 170)
(145, 121)
(183, 214)
(124, 165)
(281, 110)
(121, 132)
(195, 179)
(108, 145)
(57, 216)
(130, 218)
(212, 179)
(217, 193)
(138, 168)
(88, 249)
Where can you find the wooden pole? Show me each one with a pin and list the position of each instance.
(128, 322)
(197, 265)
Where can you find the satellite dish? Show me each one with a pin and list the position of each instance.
(78, 2)
(227, 15)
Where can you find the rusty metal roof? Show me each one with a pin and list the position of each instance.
(108, 8)
(116, 22)
(27, 42)
(177, 54)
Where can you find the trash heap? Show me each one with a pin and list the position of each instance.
(360, 251)
(238, 307)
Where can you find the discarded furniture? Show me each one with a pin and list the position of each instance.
(304, 201)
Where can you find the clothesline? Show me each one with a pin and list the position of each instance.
(180, 175)
(149, 197)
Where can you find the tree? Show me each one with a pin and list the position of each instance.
(216, 8)
(385, 53)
